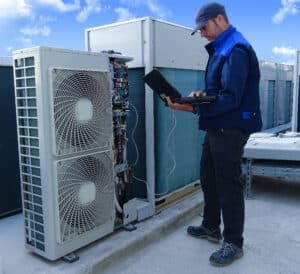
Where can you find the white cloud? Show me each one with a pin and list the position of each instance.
(9, 49)
(132, 3)
(284, 51)
(157, 9)
(24, 8)
(123, 14)
(289, 7)
(153, 5)
(60, 5)
(285, 55)
(33, 31)
(14, 9)
(92, 6)
(25, 41)
(289, 62)
(47, 18)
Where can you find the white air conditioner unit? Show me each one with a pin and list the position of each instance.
(64, 119)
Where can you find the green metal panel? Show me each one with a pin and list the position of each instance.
(10, 195)
(177, 138)
(136, 130)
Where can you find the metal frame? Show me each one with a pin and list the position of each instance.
(149, 105)
(275, 170)
(248, 172)
(275, 156)
(296, 93)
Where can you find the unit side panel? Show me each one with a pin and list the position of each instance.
(75, 60)
(10, 197)
(137, 131)
(178, 140)
(285, 72)
(267, 70)
(175, 48)
(28, 124)
(127, 39)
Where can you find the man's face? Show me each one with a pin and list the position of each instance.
(210, 30)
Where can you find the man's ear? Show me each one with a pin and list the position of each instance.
(220, 18)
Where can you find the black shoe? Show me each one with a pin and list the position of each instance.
(226, 255)
(205, 233)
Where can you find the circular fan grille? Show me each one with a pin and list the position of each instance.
(85, 193)
(82, 110)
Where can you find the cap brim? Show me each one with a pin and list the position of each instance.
(199, 26)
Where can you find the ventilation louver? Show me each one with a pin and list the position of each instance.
(82, 110)
(85, 194)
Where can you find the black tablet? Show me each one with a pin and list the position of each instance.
(159, 84)
(197, 100)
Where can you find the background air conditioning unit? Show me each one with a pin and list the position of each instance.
(65, 136)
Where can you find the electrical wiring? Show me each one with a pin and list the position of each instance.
(136, 148)
(160, 194)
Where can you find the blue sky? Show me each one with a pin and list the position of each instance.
(272, 26)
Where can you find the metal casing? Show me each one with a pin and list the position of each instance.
(275, 93)
(172, 45)
(42, 169)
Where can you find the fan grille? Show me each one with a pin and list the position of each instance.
(85, 194)
(82, 110)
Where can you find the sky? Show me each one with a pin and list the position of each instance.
(271, 26)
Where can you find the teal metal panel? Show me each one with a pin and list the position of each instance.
(177, 138)
(136, 130)
(10, 194)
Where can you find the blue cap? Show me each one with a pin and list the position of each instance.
(207, 12)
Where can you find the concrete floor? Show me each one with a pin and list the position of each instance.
(15, 259)
(272, 241)
(160, 245)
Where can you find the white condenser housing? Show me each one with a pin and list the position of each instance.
(64, 120)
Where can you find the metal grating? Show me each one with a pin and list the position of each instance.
(82, 110)
(29, 152)
(85, 193)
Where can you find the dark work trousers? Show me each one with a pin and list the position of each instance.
(220, 173)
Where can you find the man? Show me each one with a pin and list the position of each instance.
(232, 75)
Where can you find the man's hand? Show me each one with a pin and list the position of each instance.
(171, 104)
(183, 107)
(197, 94)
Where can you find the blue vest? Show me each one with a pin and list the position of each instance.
(232, 74)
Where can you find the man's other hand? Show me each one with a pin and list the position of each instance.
(169, 102)
(176, 106)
